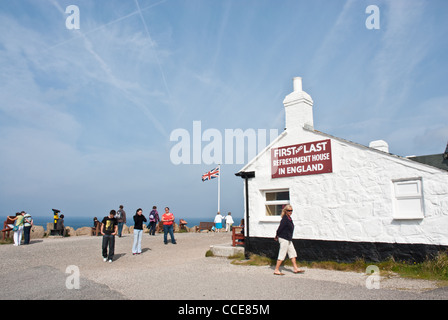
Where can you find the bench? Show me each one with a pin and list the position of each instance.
(6, 228)
(159, 228)
(205, 226)
(237, 236)
(182, 224)
(56, 232)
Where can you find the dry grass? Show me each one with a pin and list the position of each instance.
(432, 269)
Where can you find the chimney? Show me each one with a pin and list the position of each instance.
(297, 84)
(379, 145)
(298, 107)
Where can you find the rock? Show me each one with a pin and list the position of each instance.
(50, 226)
(70, 231)
(37, 232)
(125, 229)
(84, 231)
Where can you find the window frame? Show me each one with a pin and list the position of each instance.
(264, 192)
(401, 198)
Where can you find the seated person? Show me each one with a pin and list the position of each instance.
(96, 229)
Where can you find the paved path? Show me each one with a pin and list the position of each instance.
(180, 272)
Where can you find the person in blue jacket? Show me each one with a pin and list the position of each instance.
(284, 237)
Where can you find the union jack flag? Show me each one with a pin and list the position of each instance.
(211, 174)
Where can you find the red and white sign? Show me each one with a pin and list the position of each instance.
(301, 159)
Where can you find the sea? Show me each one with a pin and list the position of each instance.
(77, 222)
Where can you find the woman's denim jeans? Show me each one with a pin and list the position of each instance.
(166, 229)
(137, 247)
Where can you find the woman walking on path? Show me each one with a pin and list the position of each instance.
(168, 221)
(229, 222)
(218, 222)
(139, 218)
(284, 237)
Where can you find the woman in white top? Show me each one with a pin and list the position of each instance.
(229, 222)
(218, 222)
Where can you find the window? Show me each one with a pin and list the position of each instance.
(408, 199)
(275, 200)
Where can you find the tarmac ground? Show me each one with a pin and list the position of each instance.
(72, 268)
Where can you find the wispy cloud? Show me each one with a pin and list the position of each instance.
(399, 53)
(130, 89)
(151, 42)
(331, 43)
(85, 114)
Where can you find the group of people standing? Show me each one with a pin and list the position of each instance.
(21, 225)
(113, 225)
(228, 221)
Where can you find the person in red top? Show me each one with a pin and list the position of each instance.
(168, 222)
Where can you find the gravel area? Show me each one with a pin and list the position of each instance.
(179, 272)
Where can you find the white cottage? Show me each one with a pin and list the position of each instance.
(350, 201)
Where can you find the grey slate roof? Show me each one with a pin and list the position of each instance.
(435, 160)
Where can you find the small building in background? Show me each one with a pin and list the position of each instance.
(350, 201)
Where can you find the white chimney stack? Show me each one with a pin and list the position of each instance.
(379, 145)
(297, 84)
(298, 107)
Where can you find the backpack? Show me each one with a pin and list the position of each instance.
(152, 217)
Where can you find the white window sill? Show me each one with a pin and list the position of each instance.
(271, 219)
(408, 218)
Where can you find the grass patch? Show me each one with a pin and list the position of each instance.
(6, 241)
(209, 253)
(254, 260)
(432, 269)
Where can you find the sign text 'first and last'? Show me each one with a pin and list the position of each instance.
(301, 159)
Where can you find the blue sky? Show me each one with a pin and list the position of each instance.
(86, 115)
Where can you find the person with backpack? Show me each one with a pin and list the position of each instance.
(153, 220)
(121, 218)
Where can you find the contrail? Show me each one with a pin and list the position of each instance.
(110, 76)
(139, 11)
(155, 50)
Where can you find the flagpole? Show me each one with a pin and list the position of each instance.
(219, 187)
